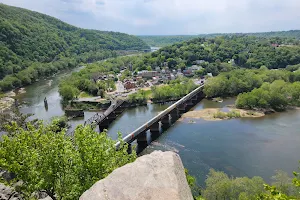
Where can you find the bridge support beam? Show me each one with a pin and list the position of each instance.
(142, 139)
(165, 119)
(200, 95)
(190, 103)
(118, 111)
(182, 108)
(174, 115)
(195, 99)
(154, 127)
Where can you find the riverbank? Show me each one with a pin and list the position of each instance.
(215, 114)
(7, 101)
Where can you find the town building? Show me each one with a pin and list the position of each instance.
(209, 74)
(188, 72)
(198, 62)
(129, 85)
(195, 68)
(147, 74)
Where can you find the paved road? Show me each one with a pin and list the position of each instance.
(120, 87)
(96, 99)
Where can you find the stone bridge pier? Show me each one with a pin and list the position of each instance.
(165, 120)
(104, 125)
(142, 139)
(174, 115)
(154, 128)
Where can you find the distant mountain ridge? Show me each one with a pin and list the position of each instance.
(27, 36)
(165, 40)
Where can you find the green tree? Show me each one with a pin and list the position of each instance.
(68, 92)
(46, 160)
(220, 186)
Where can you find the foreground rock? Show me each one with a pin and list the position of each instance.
(157, 176)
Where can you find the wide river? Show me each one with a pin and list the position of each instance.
(239, 147)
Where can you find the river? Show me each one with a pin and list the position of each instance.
(239, 147)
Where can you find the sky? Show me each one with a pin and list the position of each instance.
(171, 17)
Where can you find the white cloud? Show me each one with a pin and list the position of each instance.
(172, 16)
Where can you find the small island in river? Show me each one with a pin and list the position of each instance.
(214, 114)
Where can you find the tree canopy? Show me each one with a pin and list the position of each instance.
(165, 40)
(45, 159)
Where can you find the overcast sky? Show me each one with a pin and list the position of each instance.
(172, 17)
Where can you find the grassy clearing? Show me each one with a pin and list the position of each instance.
(227, 115)
(84, 95)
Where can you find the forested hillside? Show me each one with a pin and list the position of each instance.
(165, 40)
(246, 51)
(27, 37)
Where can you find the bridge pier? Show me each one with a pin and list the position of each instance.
(165, 120)
(154, 127)
(174, 115)
(195, 99)
(129, 149)
(104, 124)
(102, 127)
(142, 139)
(112, 116)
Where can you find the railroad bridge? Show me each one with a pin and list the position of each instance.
(165, 118)
(103, 120)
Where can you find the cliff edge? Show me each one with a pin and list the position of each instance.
(157, 176)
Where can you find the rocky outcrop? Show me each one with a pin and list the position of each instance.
(157, 176)
(7, 192)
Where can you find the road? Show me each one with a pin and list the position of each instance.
(89, 99)
(120, 87)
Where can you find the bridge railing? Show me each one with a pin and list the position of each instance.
(130, 137)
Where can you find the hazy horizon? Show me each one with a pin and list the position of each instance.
(171, 17)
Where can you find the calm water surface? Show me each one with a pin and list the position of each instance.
(239, 147)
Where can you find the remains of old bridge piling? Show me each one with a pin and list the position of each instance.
(103, 120)
(173, 111)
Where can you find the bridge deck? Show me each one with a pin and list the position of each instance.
(130, 137)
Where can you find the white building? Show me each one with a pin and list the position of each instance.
(198, 62)
(147, 74)
(195, 68)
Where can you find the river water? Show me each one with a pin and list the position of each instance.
(239, 147)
